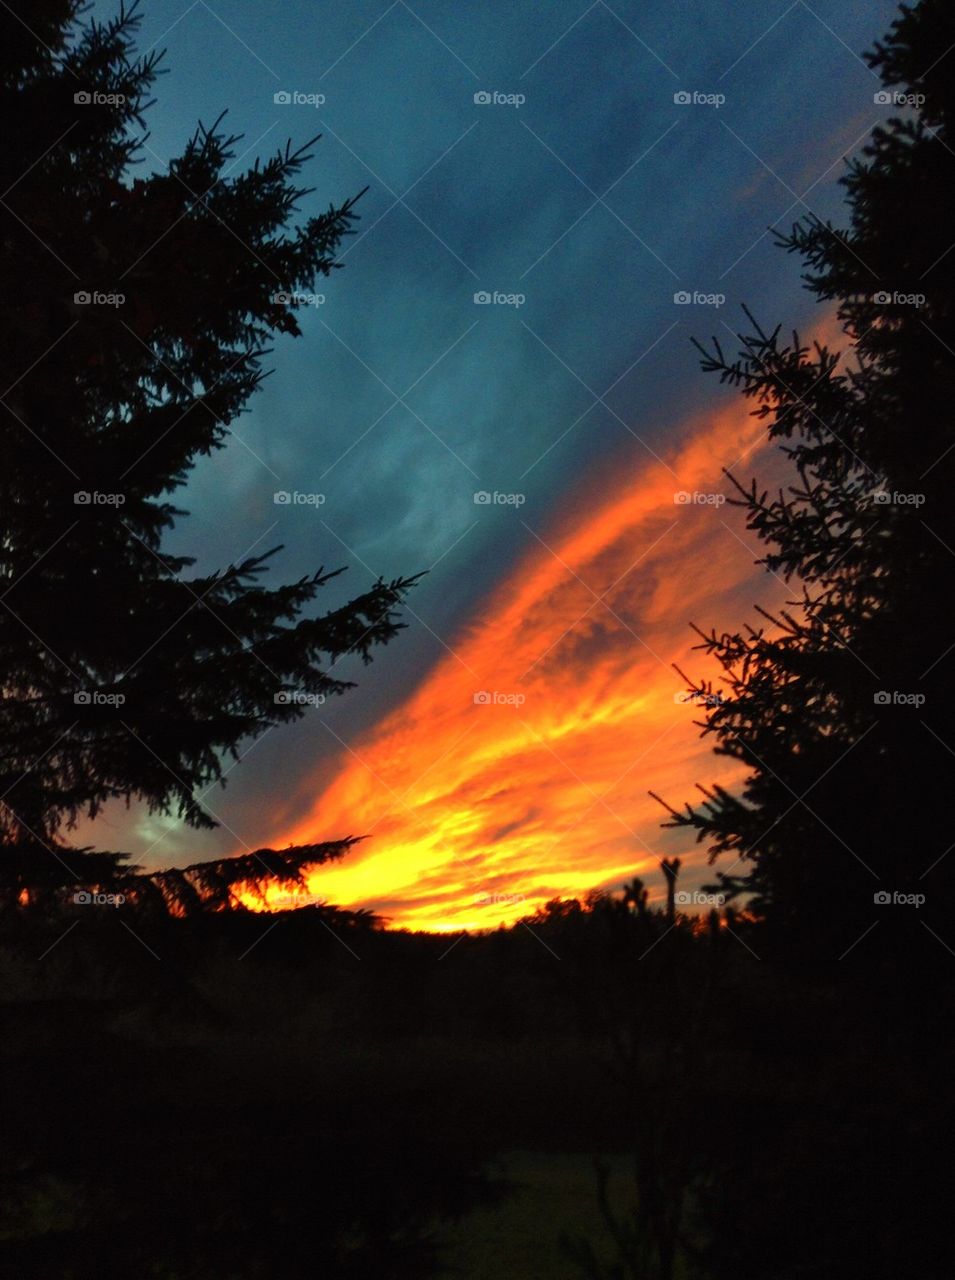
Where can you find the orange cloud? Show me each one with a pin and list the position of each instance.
(519, 768)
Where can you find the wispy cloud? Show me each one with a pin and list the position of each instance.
(519, 769)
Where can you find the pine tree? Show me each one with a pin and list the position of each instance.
(839, 706)
(137, 313)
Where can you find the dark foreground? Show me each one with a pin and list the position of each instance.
(205, 1099)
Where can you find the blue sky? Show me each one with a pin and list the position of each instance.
(595, 199)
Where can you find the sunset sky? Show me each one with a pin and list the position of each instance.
(588, 168)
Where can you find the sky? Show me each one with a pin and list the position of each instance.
(500, 388)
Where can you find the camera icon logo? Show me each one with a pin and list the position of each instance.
(282, 98)
(482, 298)
(482, 498)
(682, 497)
(882, 99)
(482, 699)
(681, 98)
(683, 897)
(82, 298)
(282, 498)
(82, 898)
(482, 98)
(82, 498)
(882, 299)
(882, 698)
(882, 497)
(282, 698)
(881, 898)
(682, 299)
(282, 298)
(82, 699)
(82, 98)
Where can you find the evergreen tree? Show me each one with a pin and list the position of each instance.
(137, 312)
(839, 707)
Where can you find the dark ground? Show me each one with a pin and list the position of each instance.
(347, 1102)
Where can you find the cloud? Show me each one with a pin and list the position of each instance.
(520, 766)
(492, 204)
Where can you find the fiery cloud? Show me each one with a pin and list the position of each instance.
(519, 769)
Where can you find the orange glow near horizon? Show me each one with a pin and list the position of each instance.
(479, 809)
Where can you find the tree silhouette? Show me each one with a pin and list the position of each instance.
(636, 895)
(838, 704)
(671, 869)
(201, 888)
(137, 314)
